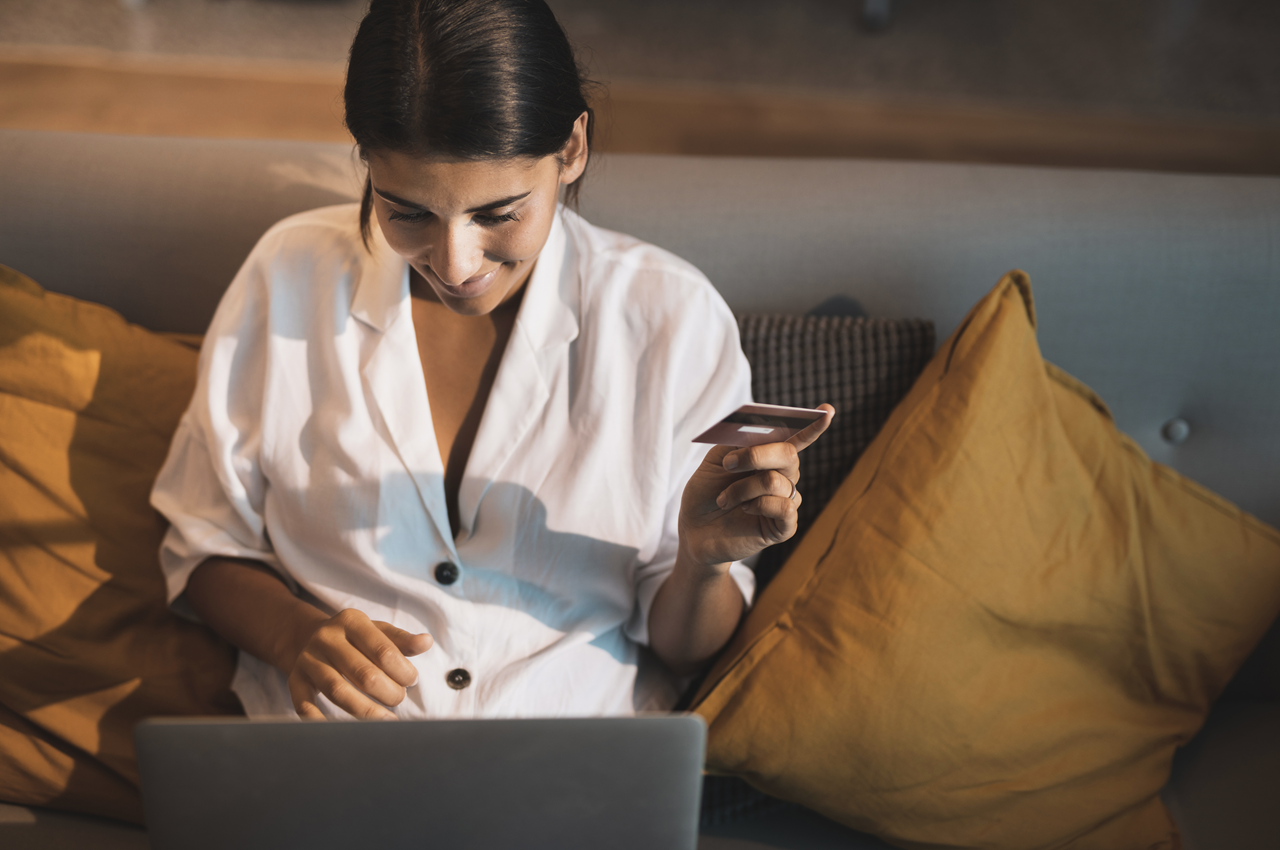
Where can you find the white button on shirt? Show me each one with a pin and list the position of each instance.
(309, 446)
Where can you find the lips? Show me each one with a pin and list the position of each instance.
(472, 287)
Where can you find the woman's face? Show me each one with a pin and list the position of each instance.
(471, 230)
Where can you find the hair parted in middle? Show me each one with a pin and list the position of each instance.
(464, 79)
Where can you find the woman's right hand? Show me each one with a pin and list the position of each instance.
(350, 658)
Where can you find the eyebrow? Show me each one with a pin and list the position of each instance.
(500, 203)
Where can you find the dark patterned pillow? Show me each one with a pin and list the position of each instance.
(861, 366)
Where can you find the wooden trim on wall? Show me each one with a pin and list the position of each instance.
(95, 91)
(764, 123)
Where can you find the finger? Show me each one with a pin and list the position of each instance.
(716, 454)
(372, 642)
(782, 456)
(768, 483)
(304, 699)
(779, 514)
(353, 663)
(341, 692)
(409, 643)
(773, 507)
(806, 438)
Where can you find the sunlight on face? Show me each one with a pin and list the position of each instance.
(470, 230)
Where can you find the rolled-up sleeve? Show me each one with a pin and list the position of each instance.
(706, 378)
(211, 487)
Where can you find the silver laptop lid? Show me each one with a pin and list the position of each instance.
(625, 783)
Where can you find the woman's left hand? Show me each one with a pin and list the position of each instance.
(741, 500)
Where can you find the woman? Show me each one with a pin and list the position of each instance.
(437, 457)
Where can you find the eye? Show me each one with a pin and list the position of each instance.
(494, 220)
(411, 217)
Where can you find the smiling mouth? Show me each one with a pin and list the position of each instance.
(475, 281)
(472, 286)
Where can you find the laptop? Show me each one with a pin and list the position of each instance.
(630, 783)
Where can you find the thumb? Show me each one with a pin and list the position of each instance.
(809, 435)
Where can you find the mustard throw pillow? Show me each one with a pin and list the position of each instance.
(1003, 624)
(88, 404)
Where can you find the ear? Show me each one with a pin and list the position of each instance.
(574, 153)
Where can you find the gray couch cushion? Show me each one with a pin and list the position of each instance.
(1226, 782)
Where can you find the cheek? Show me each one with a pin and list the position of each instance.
(399, 238)
(401, 247)
(516, 247)
(525, 241)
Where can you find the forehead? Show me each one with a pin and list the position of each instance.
(441, 184)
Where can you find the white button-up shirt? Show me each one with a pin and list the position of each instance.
(309, 446)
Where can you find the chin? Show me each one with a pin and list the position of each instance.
(471, 306)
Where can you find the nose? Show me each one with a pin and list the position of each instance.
(455, 254)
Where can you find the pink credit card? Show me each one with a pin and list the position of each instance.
(756, 424)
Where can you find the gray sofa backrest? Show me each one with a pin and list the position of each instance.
(1160, 291)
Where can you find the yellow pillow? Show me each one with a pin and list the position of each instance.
(88, 404)
(1003, 624)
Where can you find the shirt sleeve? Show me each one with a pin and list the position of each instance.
(709, 378)
(211, 487)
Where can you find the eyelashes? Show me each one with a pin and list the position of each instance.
(392, 215)
(491, 220)
(480, 219)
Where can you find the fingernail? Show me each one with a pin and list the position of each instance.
(731, 462)
(721, 500)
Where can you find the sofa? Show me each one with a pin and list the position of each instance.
(1160, 291)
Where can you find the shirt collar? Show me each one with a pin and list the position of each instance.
(383, 286)
(548, 316)
(549, 313)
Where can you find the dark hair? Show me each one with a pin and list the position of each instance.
(469, 79)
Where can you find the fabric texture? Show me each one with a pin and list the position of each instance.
(309, 446)
(861, 366)
(1004, 623)
(88, 646)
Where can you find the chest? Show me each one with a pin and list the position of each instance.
(460, 356)
(459, 359)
